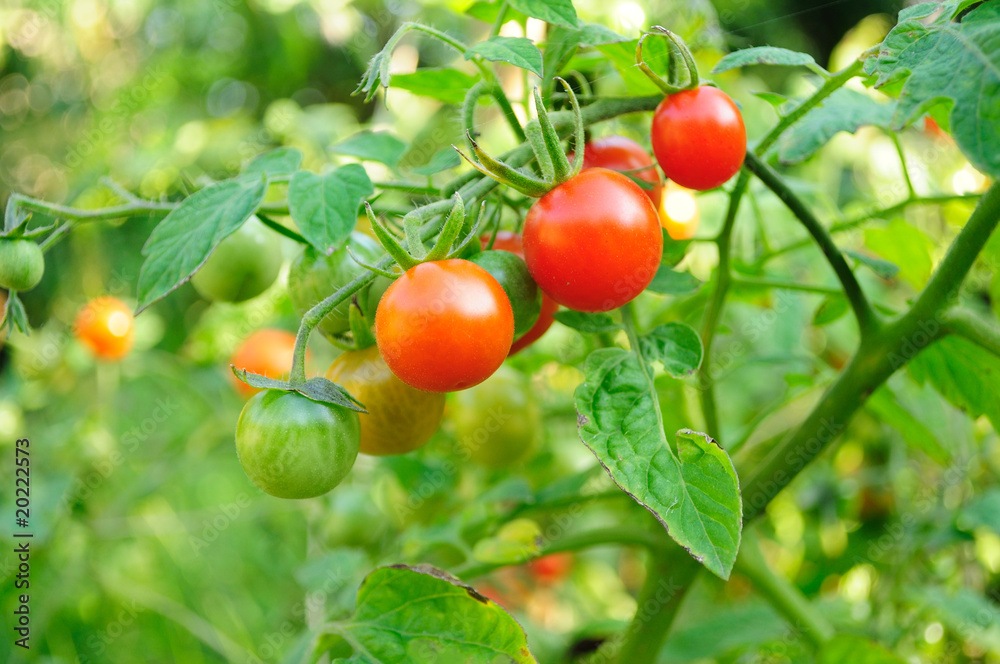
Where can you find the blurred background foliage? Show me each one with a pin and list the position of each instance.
(152, 546)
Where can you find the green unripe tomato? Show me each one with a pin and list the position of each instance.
(314, 277)
(243, 266)
(496, 422)
(522, 291)
(376, 290)
(21, 264)
(293, 447)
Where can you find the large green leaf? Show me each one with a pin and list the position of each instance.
(963, 373)
(693, 490)
(325, 207)
(378, 146)
(444, 84)
(845, 110)
(557, 12)
(762, 55)
(676, 345)
(420, 615)
(280, 161)
(856, 650)
(518, 51)
(183, 241)
(945, 61)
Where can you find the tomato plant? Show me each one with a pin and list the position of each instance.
(266, 352)
(106, 327)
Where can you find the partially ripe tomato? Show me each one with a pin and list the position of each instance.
(267, 352)
(105, 325)
(512, 274)
(497, 422)
(594, 242)
(679, 213)
(243, 266)
(400, 418)
(21, 264)
(551, 569)
(293, 447)
(618, 153)
(699, 138)
(444, 326)
(511, 241)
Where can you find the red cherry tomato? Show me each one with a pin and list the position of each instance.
(511, 241)
(699, 138)
(618, 153)
(594, 242)
(552, 568)
(444, 326)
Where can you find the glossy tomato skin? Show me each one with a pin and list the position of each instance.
(293, 447)
(444, 326)
(243, 266)
(699, 138)
(400, 418)
(512, 242)
(497, 423)
(594, 242)
(266, 352)
(21, 264)
(619, 153)
(105, 326)
(314, 277)
(512, 274)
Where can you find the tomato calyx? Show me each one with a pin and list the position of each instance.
(682, 72)
(318, 389)
(555, 166)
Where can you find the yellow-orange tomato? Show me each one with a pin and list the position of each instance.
(679, 212)
(105, 326)
(267, 352)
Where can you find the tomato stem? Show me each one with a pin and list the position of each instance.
(682, 71)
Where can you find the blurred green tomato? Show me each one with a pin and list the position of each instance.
(243, 266)
(512, 273)
(21, 264)
(496, 422)
(314, 277)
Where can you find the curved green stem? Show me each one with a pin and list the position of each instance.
(971, 326)
(102, 214)
(281, 230)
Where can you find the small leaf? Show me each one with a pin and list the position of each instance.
(844, 110)
(694, 492)
(325, 207)
(557, 12)
(983, 511)
(317, 389)
(280, 161)
(884, 269)
(962, 372)
(442, 160)
(905, 245)
(674, 251)
(421, 614)
(518, 51)
(380, 146)
(676, 345)
(856, 650)
(763, 55)
(670, 282)
(772, 98)
(15, 319)
(831, 309)
(600, 322)
(183, 241)
(444, 84)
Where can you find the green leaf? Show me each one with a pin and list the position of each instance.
(516, 541)
(962, 372)
(844, 110)
(325, 207)
(674, 251)
(676, 345)
(884, 269)
(831, 309)
(557, 12)
(951, 63)
(518, 51)
(280, 161)
(670, 282)
(772, 98)
(183, 241)
(380, 146)
(887, 409)
(442, 160)
(622, 56)
(317, 389)
(595, 34)
(762, 55)
(423, 615)
(906, 246)
(444, 84)
(982, 512)
(693, 492)
(600, 322)
(856, 650)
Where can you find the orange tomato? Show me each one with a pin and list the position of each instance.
(267, 352)
(105, 325)
(679, 213)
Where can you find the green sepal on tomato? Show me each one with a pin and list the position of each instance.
(512, 274)
(243, 266)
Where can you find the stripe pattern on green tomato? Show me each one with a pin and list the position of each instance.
(594, 242)
(444, 326)
(293, 447)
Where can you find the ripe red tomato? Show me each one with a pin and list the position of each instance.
(266, 352)
(552, 568)
(105, 325)
(444, 326)
(618, 153)
(594, 242)
(699, 138)
(511, 241)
